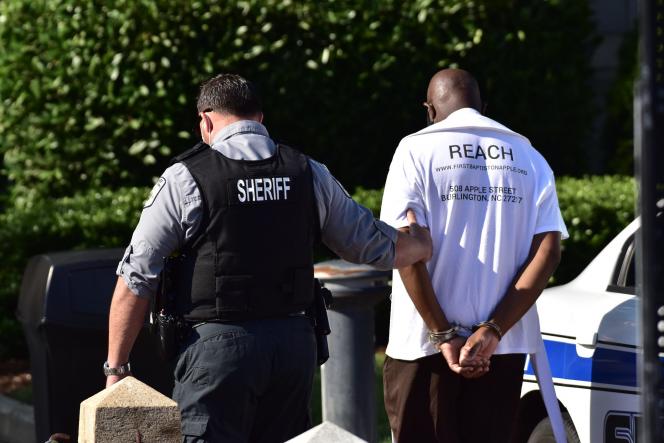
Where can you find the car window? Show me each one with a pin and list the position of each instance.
(624, 280)
(630, 281)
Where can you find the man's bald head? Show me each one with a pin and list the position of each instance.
(450, 90)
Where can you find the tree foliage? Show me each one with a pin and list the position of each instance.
(618, 134)
(100, 94)
(96, 97)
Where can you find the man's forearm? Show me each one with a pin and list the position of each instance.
(125, 321)
(413, 243)
(529, 283)
(418, 285)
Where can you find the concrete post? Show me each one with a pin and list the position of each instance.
(129, 411)
(348, 377)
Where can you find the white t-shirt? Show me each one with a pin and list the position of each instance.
(484, 192)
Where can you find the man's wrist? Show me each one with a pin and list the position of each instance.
(492, 326)
(438, 338)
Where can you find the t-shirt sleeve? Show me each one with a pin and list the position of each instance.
(403, 191)
(549, 217)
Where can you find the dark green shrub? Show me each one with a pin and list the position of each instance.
(595, 209)
(91, 220)
(101, 94)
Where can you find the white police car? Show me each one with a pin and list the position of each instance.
(589, 327)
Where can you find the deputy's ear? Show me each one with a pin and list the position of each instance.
(207, 121)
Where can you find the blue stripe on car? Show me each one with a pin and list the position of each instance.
(606, 366)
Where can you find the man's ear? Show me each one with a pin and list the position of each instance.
(260, 117)
(431, 112)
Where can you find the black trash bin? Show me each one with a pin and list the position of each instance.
(63, 309)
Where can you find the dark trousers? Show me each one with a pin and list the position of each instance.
(427, 402)
(246, 381)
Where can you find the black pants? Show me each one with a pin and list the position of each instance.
(427, 402)
(246, 381)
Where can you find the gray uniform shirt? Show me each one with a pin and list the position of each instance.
(173, 212)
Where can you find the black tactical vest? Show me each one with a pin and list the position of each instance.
(255, 256)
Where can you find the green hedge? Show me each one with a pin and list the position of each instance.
(91, 220)
(101, 94)
(594, 208)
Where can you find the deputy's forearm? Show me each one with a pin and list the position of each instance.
(530, 281)
(124, 323)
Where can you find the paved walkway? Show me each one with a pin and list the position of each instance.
(17, 422)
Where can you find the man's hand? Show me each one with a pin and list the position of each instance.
(478, 350)
(413, 244)
(451, 351)
(470, 368)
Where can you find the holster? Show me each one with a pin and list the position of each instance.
(317, 312)
(172, 332)
(165, 321)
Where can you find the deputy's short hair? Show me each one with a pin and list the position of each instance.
(229, 94)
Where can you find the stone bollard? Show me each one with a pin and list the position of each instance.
(129, 411)
(348, 377)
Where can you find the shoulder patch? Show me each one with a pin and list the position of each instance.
(155, 191)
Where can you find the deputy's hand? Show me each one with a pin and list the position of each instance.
(413, 243)
(113, 379)
(451, 352)
(58, 437)
(421, 235)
